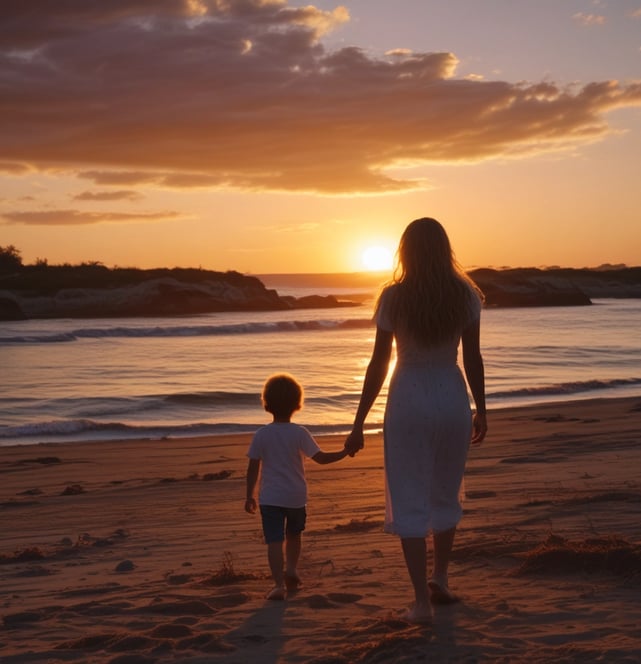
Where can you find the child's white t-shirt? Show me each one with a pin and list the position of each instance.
(282, 448)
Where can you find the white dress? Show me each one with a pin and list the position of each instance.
(427, 431)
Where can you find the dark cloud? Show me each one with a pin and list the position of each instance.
(241, 93)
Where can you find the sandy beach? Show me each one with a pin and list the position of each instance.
(139, 551)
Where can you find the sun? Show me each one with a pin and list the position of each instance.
(377, 259)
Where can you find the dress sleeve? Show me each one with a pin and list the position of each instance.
(383, 317)
(474, 307)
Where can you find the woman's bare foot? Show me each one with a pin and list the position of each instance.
(419, 614)
(276, 593)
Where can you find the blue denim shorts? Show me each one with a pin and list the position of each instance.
(278, 520)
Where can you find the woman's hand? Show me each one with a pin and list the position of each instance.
(479, 428)
(355, 441)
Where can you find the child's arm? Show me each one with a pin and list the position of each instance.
(329, 457)
(253, 470)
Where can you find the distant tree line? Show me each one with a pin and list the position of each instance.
(43, 278)
(10, 259)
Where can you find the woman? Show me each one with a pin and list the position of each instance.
(430, 306)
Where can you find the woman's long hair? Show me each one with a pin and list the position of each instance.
(433, 296)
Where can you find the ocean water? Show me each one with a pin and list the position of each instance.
(63, 380)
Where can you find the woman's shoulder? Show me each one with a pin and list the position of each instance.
(388, 292)
(384, 307)
(474, 301)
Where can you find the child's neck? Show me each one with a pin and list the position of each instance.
(282, 420)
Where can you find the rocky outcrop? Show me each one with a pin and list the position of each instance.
(622, 282)
(94, 291)
(162, 296)
(528, 288)
(522, 287)
(10, 309)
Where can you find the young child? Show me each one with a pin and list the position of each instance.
(277, 454)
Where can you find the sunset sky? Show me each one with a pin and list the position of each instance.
(276, 136)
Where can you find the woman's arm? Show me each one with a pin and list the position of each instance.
(374, 379)
(475, 374)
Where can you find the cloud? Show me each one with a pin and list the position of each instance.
(9, 168)
(169, 180)
(121, 195)
(589, 19)
(78, 218)
(299, 227)
(243, 94)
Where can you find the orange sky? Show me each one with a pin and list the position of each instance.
(267, 136)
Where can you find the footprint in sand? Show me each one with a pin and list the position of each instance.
(125, 566)
(319, 602)
(73, 490)
(330, 600)
(171, 631)
(34, 570)
(344, 598)
(222, 475)
(18, 619)
(24, 556)
(186, 608)
(179, 579)
(229, 600)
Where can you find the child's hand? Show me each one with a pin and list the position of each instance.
(251, 506)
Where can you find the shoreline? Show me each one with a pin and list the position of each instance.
(318, 430)
(141, 549)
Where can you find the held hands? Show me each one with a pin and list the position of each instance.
(479, 428)
(354, 442)
(251, 506)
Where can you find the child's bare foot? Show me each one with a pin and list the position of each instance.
(292, 582)
(276, 593)
(419, 614)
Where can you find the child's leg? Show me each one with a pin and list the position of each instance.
(273, 518)
(296, 519)
(292, 553)
(275, 557)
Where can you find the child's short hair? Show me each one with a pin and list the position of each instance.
(282, 395)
